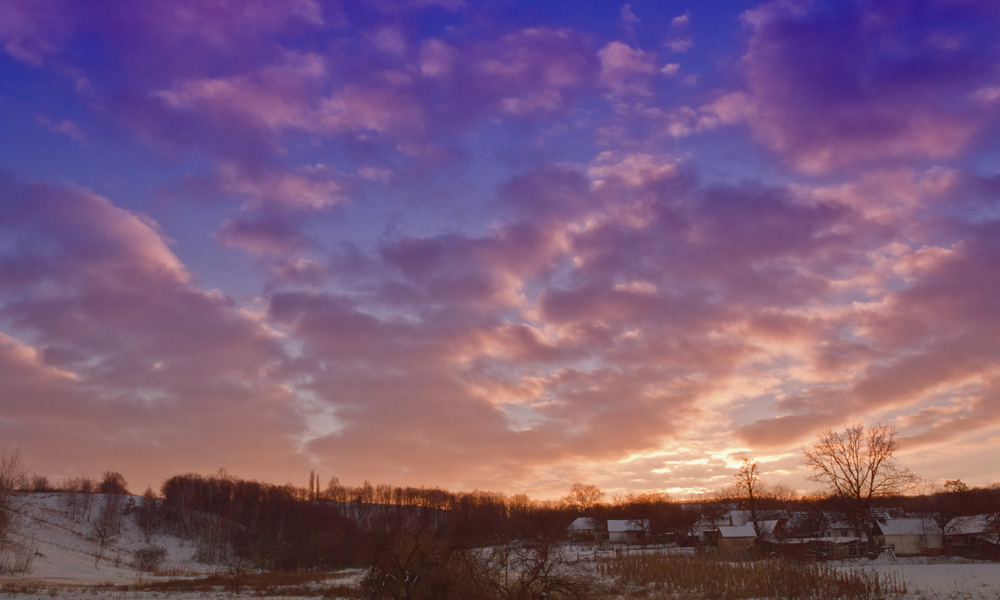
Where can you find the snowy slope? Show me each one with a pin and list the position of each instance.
(66, 553)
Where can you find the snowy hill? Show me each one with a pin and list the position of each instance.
(59, 534)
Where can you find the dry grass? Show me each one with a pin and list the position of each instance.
(321, 584)
(658, 576)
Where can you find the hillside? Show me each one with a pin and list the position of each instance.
(61, 538)
(58, 533)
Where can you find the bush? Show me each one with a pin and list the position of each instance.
(149, 558)
(419, 567)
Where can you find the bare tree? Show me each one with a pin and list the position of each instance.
(12, 478)
(858, 465)
(525, 570)
(113, 483)
(107, 527)
(584, 496)
(148, 559)
(750, 488)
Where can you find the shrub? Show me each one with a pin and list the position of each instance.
(148, 559)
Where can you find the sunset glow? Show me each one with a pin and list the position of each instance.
(497, 245)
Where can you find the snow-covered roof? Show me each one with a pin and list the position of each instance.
(766, 527)
(968, 525)
(583, 523)
(739, 531)
(621, 525)
(910, 526)
(738, 518)
(703, 525)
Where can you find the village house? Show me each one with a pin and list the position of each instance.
(976, 536)
(628, 531)
(734, 539)
(585, 530)
(910, 536)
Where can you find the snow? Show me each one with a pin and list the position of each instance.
(910, 526)
(583, 524)
(64, 552)
(938, 578)
(968, 525)
(737, 531)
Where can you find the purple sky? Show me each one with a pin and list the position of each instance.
(499, 245)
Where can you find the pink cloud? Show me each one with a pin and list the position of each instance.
(262, 236)
(311, 188)
(532, 71)
(626, 70)
(377, 109)
(274, 98)
(223, 24)
(117, 348)
(825, 94)
(33, 31)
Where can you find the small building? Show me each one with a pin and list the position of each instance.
(975, 536)
(736, 539)
(584, 529)
(910, 537)
(628, 531)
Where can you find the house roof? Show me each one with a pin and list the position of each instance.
(766, 527)
(968, 525)
(739, 531)
(621, 525)
(911, 526)
(738, 518)
(583, 523)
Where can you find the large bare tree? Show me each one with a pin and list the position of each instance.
(750, 488)
(858, 465)
(584, 497)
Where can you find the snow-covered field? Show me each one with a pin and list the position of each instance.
(65, 562)
(940, 577)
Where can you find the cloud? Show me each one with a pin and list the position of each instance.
(275, 97)
(33, 31)
(311, 188)
(533, 71)
(492, 241)
(117, 348)
(680, 39)
(865, 84)
(262, 235)
(64, 127)
(626, 70)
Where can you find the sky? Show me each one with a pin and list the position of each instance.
(501, 245)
